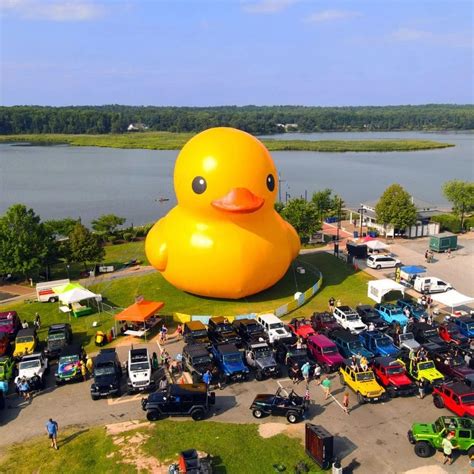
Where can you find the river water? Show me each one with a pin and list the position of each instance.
(86, 182)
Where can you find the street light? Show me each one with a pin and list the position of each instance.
(361, 211)
(336, 245)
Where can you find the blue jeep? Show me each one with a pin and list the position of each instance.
(380, 344)
(465, 325)
(350, 345)
(230, 362)
(391, 313)
(417, 310)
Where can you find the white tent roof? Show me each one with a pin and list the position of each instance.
(376, 245)
(379, 288)
(75, 295)
(452, 298)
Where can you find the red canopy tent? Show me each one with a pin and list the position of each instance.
(368, 238)
(140, 313)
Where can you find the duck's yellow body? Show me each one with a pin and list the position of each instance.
(223, 239)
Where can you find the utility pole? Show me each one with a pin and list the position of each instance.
(361, 211)
(336, 245)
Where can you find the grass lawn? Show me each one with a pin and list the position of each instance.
(236, 448)
(175, 141)
(339, 280)
(80, 451)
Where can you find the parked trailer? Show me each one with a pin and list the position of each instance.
(443, 242)
(45, 291)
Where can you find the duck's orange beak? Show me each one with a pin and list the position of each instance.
(239, 200)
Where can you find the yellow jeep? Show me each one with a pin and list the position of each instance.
(363, 383)
(25, 342)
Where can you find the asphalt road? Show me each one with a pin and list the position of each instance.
(372, 436)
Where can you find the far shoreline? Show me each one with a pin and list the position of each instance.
(175, 141)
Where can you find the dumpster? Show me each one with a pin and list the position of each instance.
(443, 242)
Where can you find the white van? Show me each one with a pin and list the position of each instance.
(431, 285)
(382, 261)
(273, 326)
(45, 291)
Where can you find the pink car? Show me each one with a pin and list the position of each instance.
(325, 352)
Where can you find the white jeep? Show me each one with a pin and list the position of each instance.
(349, 319)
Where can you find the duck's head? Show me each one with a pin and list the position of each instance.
(227, 171)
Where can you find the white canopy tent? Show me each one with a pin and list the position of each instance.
(75, 295)
(376, 245)
(379, 288)
(452, 299)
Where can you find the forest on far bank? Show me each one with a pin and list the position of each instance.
(253, 119)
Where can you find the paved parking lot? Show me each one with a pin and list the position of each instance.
(372, 436)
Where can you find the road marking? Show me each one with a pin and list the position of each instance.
(127, 399)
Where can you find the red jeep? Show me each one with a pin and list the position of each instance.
(449, 332)
(301, 327)
(455, 396)
(393, 377)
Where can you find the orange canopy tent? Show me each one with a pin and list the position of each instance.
(140, 311)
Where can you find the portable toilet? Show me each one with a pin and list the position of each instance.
(443, 242)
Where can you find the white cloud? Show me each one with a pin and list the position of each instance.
(411, 34)
(331, 15)
(53, 10)
(267, 6)
(458, 40)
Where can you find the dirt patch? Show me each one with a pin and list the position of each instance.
(117, 428)
(433, 469)
(267, 430)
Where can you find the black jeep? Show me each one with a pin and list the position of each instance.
(426, 334)
(197, 361)
(289, 355)
(249, 330)
(107, 375)
(282, 403)
(195, 332)
(179, 400)
(222, 332)
(260, 357)
(59, 336)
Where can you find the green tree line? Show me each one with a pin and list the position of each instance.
(257, 120)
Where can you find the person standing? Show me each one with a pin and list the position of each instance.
(89, 365)
(163, 333)
(448, 447)
(52, 430)
(331, 304)
(163, 384)
(83, 370)
(371, 326)
(25, 389)
(305, 370)
(317, 374)
(421, 389)
(345, 402)
(326, 384)
(293, 373)
(37, 322)
(207, 377)
(24, 325)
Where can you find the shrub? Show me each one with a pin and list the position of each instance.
(128, 236)
(111, 239)
(469, 223)
(448, 222)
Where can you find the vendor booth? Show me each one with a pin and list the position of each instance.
(379, 288)
(408, 274)
(452, 299)
(71, 297)
(139, 318)
(376, 245)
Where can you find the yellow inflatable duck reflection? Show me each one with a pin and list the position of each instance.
(223, 239)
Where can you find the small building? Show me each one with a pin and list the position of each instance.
(443, 242)
(288, 127)
(137, 127)
(423, 227)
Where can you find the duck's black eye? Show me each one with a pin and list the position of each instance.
(199, 185)
(270, 182)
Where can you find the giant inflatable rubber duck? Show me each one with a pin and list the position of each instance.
(224, 238)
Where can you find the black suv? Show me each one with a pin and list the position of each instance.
(281, 403)
(369, 315)
(179, 400)
(289, 355)
(195, 332)
(249, 330)
(196, 360)
(59, 336)
(107, 375)
(222, 332)
(427, 335)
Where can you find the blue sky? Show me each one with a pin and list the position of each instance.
(222, 52)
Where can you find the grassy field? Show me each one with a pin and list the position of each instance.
(339, 280)
(236, 448)
(175, 141)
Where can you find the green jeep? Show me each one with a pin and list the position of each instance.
(427, 437)
(7, 367)
(424, 369)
